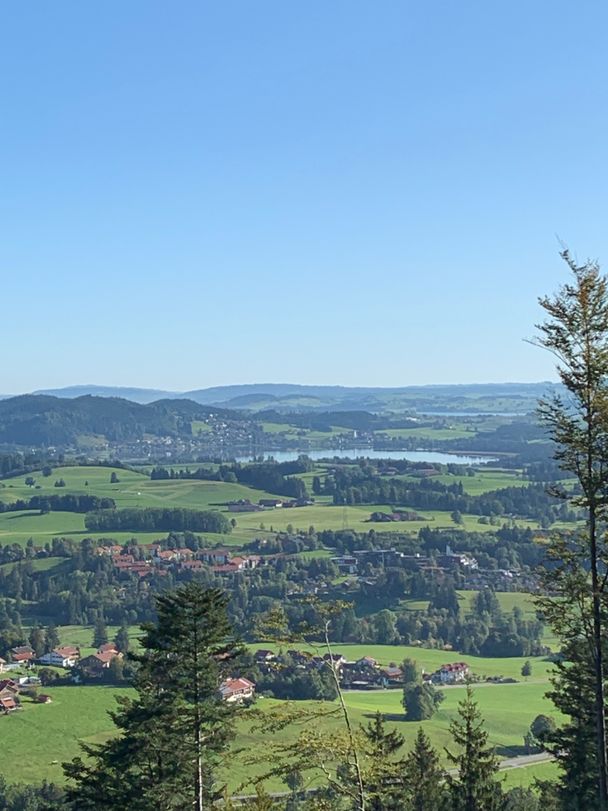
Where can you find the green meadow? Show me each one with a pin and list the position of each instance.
(37, 739)
(135, 489)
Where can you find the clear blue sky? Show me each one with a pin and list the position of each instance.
(351, 192)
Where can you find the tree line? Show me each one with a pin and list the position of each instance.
(273, 477)
(59, 503)
(166, 519)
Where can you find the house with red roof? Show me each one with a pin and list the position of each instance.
(453, 673)
(237, 690)
(63, 656)
(23, 654)
(94, 665)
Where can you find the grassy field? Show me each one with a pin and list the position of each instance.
(36, 740)
(37, 564)
(485, 480)
(137, 490)
(508, 600)
(356, 517)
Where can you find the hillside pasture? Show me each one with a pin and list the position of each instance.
(38, 739)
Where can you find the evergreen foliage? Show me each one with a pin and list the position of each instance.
(172, 734)
(423, 776)
(474, 787)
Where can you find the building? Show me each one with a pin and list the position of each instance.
(347, 564)
(270, 502)
(23, 654)
(108, 647)
(453, 673)
(94, 665)
(237, 690)
(216, 557)
(65, 656)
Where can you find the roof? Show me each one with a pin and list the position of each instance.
(107, 646)
(67, 650)
(22, 649)
(455, 666)
(234, 685)
(8, 703)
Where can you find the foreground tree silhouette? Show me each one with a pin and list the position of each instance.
(576, 332)
(383, 780)
(474, 786)
(423, 776)
(170, 736)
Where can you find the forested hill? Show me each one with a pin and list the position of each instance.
(519, 398)
(40, 420)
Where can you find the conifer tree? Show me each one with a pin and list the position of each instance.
(121, 640)
(100, 633)
(576, 333)
(573, 743)
(172, 733)
(423, 776)
(52, 637)
(474, 786)
(383, 783)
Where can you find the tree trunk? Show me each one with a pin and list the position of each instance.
(600, 718)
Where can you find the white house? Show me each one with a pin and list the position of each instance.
(234, 690)
(453, 673)
(66, 656)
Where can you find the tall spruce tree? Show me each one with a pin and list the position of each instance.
(423, 777)
(576, 333)
(100, 632)
(474, 787)
(121, 640)
(383, 781)
(172, 734)
(573, 743)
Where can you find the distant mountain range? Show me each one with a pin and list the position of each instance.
(517, 397)
(80, 414)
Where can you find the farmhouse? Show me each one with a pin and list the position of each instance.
(453, 673)
(23, 654)
(94, 665)
(65, 656)
(9, 696)
(243, 506)
(237, 690)
(391, 675)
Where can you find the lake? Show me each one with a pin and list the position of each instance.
(369, 453)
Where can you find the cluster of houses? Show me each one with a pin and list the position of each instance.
(244, 505)
(466, 566)
(151, 559)
(67, 657)
(12, 689)
(364, 673)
